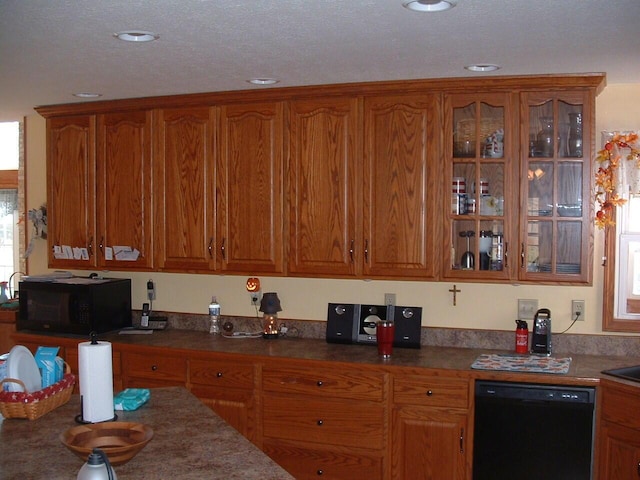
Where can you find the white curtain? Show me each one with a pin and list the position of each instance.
(627, 175)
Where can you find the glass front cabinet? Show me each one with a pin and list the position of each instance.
(516, 186)
(479, 195)
(556, 236)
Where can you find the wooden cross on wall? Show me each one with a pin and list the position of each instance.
(454, 290)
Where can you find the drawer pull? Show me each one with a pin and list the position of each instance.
(219, 374)
(319, 472)
(154, 367)
(320, 423)
(319, 383)
(429, 393)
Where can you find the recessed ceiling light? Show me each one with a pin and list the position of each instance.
(483, 67)
(87, 95)
(429, 5)
(263, 81)
(136, 36)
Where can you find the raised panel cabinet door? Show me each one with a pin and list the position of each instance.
(71, 191)
(184, 195)
(250, 188)
(324, 187)
(400, 145)
(619, 452)
(429, 444)
(124, 181)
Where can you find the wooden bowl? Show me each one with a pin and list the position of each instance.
(121, 441)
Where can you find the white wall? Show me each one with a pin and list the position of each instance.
(481, 306)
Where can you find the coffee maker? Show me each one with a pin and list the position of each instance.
(541, 336)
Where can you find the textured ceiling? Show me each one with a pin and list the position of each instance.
(51, 49)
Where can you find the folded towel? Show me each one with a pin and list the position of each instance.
(131, 399)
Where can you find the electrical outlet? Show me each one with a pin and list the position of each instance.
(527, 309)
(151, 290)
(255, 298)
(577, 306)
(390, 299)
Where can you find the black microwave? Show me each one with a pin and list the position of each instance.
(76, 305)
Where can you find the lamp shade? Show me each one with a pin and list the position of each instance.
(270, 303)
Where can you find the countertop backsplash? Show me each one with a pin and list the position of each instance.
(566, 343)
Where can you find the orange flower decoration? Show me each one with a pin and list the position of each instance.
(609, 157)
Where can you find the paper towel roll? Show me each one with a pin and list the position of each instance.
(96, 381)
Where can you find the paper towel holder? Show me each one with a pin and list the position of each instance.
(93, 336)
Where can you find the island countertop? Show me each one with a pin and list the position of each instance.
(190, 442)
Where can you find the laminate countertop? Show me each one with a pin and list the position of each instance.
(584, 369)
(190, 442)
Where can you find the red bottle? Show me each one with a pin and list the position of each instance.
(522, 337)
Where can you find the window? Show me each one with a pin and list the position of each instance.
(11, 199)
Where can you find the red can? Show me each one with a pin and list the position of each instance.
(522, 337)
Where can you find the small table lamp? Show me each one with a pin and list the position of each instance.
(270, 306)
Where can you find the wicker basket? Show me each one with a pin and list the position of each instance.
(466, 129)
(34, 405)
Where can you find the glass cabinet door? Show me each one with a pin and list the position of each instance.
(478, 190)
(555, 184)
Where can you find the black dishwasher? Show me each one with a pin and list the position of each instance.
(530, 431)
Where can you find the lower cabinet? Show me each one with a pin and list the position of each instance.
(619, 435)
(148, 369)
(329, 422)
(430, 428)
(227, 387)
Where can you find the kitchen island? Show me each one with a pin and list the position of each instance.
(190, 442)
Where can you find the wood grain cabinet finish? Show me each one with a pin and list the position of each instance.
(430, 428)
(124, 179)
(148, 370)
(619, 432)
(325, 187)
(251, 188)
(401, 144)
(335, 420)
(71, 188)
(228, 388)
(184, 189)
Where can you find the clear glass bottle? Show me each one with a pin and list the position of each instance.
(214, 316)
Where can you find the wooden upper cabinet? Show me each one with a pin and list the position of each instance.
(71, 190)
(124, 180)
(401, 144)
(324, 187)
(184, 195)
(250, 188)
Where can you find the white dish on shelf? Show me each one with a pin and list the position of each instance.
(21, 365)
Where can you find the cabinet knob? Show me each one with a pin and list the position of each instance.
(319, 472)
(319, 383)
(320, 423)
(429, 393)
(219, 374)
(639, 469)
(154, 367)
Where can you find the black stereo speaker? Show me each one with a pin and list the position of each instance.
(408, 321)
(340, 322)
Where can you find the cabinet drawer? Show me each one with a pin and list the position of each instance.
(155, 367)
(431, 391)
(620, 404)
(331, 422)
(309, 463)
(224, 374)
(352, 385)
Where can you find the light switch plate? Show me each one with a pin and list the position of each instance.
(527, 309)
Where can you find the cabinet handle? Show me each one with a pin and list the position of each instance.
(506, 254)
(319, 383)
(319, 472)
(154, 367)
(462, 440)
(210, 248)
(366, 251)
(223, 249)
(351, 250)
(90, 247)
(219, 374)
(101, 245)
(639, 469)
(429, 393)
(522, 255)
(320, 423)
